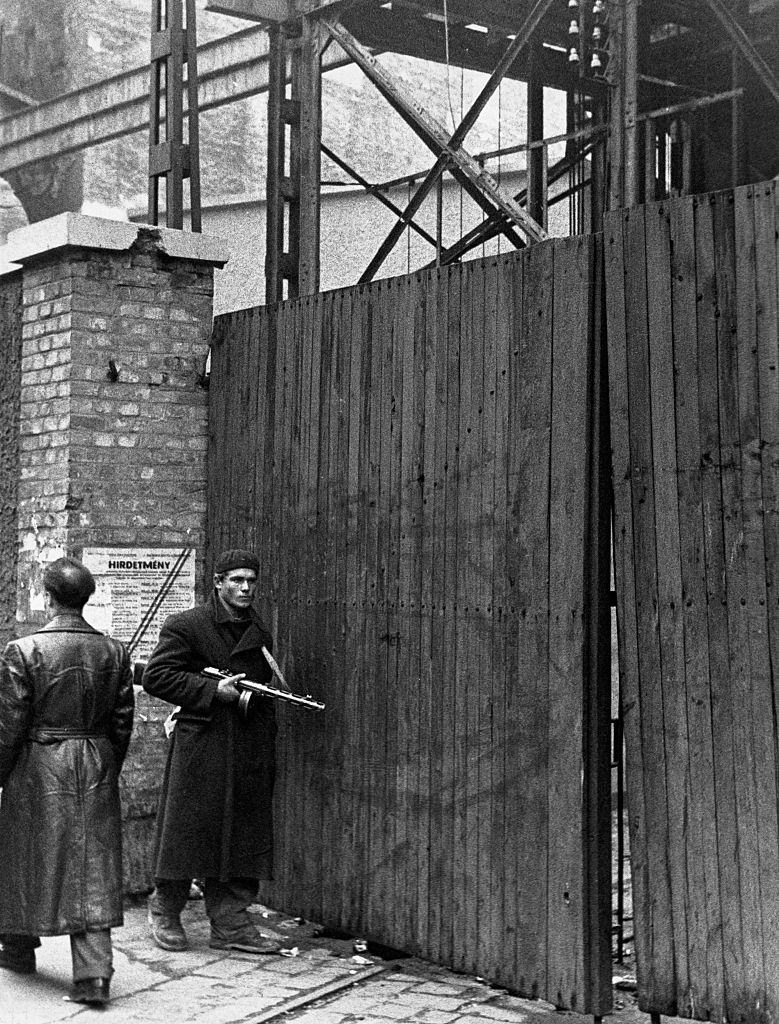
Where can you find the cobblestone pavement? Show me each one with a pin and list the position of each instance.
(321, 984)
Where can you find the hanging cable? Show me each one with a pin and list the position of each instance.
(448, 77)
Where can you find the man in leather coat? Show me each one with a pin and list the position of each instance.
(66, 714)
(214, 820)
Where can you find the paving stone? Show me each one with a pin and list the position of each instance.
(487, 1011)
(437, 1017)
(447, 989)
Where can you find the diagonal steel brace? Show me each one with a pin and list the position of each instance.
(521, 39)
(478, 182)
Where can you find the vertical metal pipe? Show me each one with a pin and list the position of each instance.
(193, 132)
(174, 116)
(274, 227)
(310, 162)
(630, 79)
(535, 132)
(154, 118)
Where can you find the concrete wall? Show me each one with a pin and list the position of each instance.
(353, 226)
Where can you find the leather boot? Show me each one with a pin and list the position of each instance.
(167, 932)
(94, 991)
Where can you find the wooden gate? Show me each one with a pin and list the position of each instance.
(417, 464)
(694, 380)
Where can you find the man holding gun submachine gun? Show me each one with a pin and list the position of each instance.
(214, 820)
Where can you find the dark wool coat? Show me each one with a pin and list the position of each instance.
(66, 713)
(215, 812)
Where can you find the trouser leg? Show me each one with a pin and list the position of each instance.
(92, 954)
(169, 897)
(227, 903)
(20, 942)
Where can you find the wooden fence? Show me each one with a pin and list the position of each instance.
(694, 383)
(417, 464)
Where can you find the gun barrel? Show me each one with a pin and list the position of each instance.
(271, 691)
(249, 686)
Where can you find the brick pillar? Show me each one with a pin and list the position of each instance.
(116, 324)
(10, 375)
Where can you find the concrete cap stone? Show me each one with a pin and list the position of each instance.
(77, 230)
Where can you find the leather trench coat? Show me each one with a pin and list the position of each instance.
(66, 714)
(215, 811)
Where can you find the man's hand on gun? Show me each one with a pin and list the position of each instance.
(227, 691)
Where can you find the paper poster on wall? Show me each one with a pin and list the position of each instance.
(137, 588)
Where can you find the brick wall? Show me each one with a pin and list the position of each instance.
(111, 432)
(114, 413)
(10, 376)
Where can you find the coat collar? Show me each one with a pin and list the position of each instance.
(254, 637)
(69, 622)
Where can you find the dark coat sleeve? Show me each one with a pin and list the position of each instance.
(121, 725)
(16, 708)
(172, 673)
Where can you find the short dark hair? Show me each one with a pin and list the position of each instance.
(69, 582)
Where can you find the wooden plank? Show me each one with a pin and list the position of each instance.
(704, 931)
(719, 656)
(567, 514)
(766, 276)
(751, 680)
(426, 379)
(480, 681)
(289, 315)
(450, 471)
(216, 434)
(366, 439)
(597, 700)
(309, 817)
(376, 640)
(353, 709)
(289, 490)
(511, 321)
(393, 393)
(489, 905)
(436, 481)
(387, 639)
(617, 268)
(530, 412)
(330, 770)
(671, 690)
(408, 836)
(746, 974)
(758, 701)
(466, 769)
(658, 990)
(275, 500)
(500, 301)
(339, 518)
